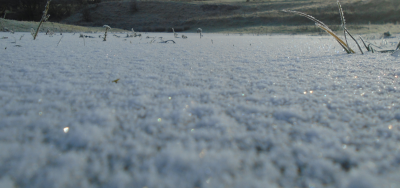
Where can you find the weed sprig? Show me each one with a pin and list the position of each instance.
(105, 34)
(324, 27)
(175, 34)
(371, 49)
(45, 17)
(199, 30)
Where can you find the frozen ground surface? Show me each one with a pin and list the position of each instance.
(222, 111)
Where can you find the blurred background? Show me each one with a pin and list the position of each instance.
(246, 16)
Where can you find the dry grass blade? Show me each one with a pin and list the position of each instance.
(340, 41)
(362, 40)
(354, 40)
(321, 25)
(345, 29)
(343, 22)
(344, 47)
(325, 28)
(307, 16)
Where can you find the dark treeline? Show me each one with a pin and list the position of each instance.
(31, 10)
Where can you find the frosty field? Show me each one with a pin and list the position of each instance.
(222, 111)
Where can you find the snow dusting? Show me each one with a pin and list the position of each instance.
(221, 111)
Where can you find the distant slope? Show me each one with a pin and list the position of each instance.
(25, 26)
(260, 17)
(225, 16)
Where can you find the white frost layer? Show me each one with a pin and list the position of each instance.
(221, 111)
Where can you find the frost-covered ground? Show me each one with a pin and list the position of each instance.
(221, 111)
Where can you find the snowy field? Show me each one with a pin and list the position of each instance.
(222, 111)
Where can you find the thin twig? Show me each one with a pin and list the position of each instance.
(60, 40)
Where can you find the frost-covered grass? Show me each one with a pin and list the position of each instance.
(241, 111)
